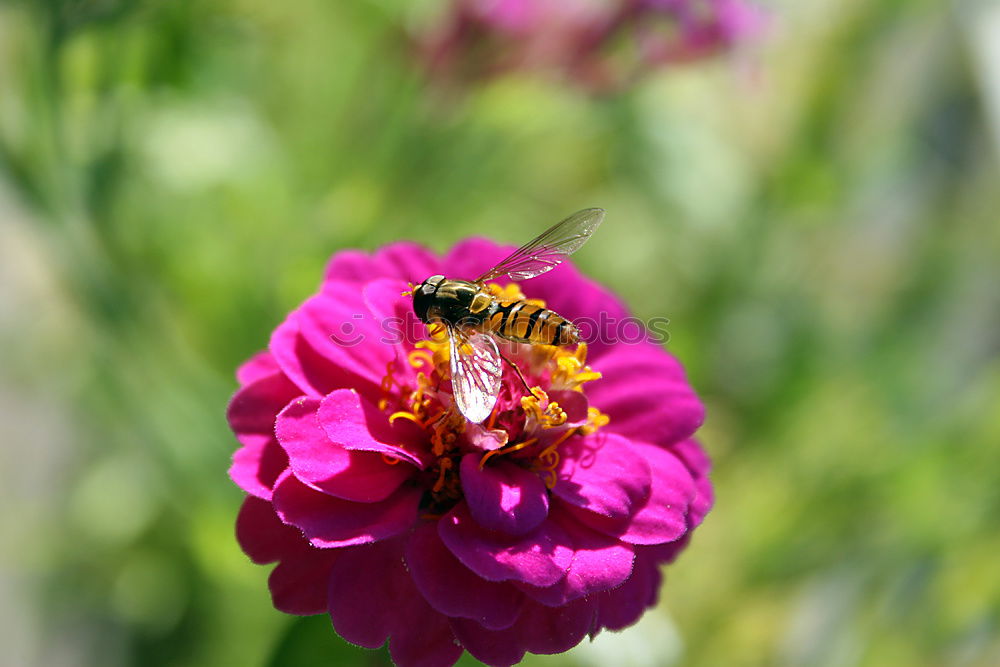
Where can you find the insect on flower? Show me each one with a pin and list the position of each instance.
(473, 315)
(386, 507)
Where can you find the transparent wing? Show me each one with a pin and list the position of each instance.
(475, 373)
(549, 248)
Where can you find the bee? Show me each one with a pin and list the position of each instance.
(474, 318)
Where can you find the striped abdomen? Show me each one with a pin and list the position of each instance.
(527, 323)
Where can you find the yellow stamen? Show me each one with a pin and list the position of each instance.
(505, 450)
(406, 415)
(445, 466)
(421, 358)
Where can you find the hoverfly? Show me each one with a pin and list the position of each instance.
(473, 316)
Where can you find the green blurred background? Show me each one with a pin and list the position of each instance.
(818, 217)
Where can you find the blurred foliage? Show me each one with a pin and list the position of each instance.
(818, 219)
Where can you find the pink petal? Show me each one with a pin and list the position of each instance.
(315, 460)
(602, 474)
(485, 439)
(538, 629)
(645, 393)
(372, 598)
(539, 558)
(503, 496)
(356, 424)
(549, 630)
(693, 457)
(255, 467)
(257, 367)
(339, 327)
(699, 465)
(251, 415)
(353, 266)
(573, 403)
(401, 328)
(600, 563)
(621, 607)
(453, 589)
(253, 408)
(667, 553)
(663, 518)
(421, 637)
(405, 260)
(471, 258)
(498, 648)
(314, 374)
(362, 591)
(299, 583)
(332, 522)
(262, 535)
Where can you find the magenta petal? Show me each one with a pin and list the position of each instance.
(353, 266)
(421, 637)
(503, 496)
(645, 393)
(406, 261)
(359, 476)
(332, 522)
(600, 563)
(262, 535)
(573, 403)
(251, 414)
(498, 648)
(401, 328)
(314, 374)
(253, 408)
(339, 327)
(621, 607)
(453, 589)
(256, 467)
(549, 630)
(603, 475)
(363, 585)
(699, 465)
(663, 518)
(693, 457)
(372, 598)
(472, 257)
(298, 584)
(354, 423)
(256, 367)
(538, 629)
(540, 558)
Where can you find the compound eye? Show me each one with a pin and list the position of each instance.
(428, 289)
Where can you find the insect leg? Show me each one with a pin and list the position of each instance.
(517, 370)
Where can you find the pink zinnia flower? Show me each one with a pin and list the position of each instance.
(389, 511)
(600, 45)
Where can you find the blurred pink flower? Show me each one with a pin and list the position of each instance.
(406, 523)
(599, 44)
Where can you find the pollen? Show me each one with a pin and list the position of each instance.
(511, 292)
(571, 370)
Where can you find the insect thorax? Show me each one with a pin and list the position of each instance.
(452, 301)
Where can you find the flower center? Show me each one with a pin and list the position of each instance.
(525, 427)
